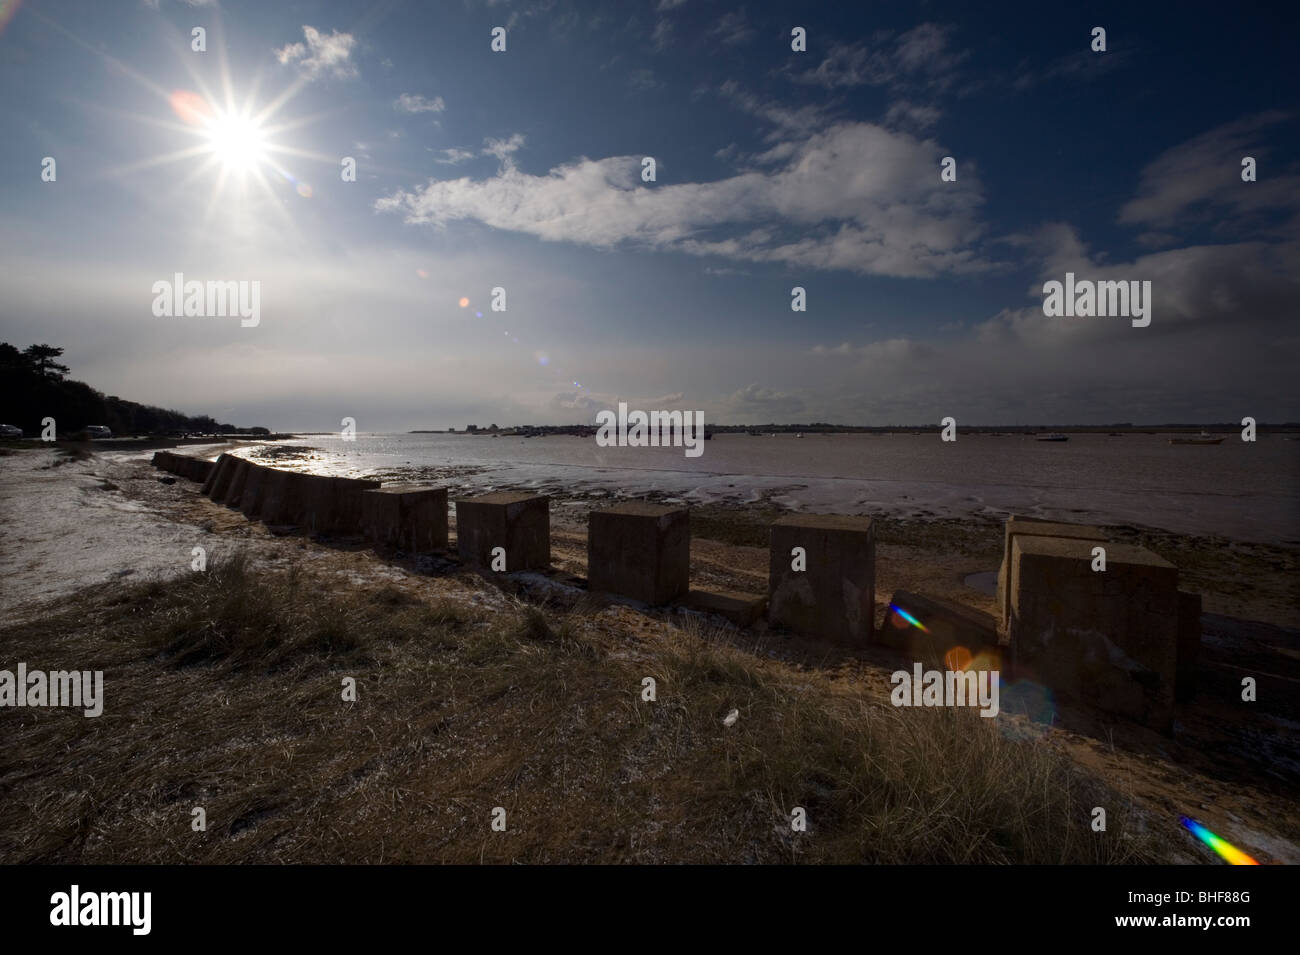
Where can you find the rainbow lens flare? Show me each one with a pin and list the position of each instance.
(7, 10)
(909, 618)
(1230, 853)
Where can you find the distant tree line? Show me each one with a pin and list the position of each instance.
(33, 386)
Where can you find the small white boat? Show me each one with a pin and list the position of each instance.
(1203, 438)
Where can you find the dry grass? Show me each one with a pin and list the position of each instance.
(223, 690)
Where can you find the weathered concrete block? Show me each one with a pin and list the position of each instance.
(1023, 525)
(250, 502)
(332, 505)
(1189, 645)
(161, 459)
(947, 626)
(640, 550)
(200, 470)
(835, 597)
(219, 480)
(1109, 638)
(282, 494)
(230, 482)
(411, 518)
(744, 610)
(521, 523)
(221, 464)
(243, 468)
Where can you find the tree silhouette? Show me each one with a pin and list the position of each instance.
(42, 358)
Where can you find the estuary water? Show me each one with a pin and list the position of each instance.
(1246, 491)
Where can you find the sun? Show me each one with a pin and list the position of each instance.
(237, 142)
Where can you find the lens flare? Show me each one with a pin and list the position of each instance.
(7, 10)
(1226, 850)
(909, 618)
(958, 658)
(191, 108)
(464, 303)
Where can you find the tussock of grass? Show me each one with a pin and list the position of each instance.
(223, 690)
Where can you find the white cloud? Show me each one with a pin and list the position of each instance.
(501, 148)
(750, 403)
(453, 156)
(907, 115)
(920, 57)
(856, 197)
(642, 80)
(321, 55)
(662, 35)
(1200, 180)
(733, 29)
(1081, 64)
(415, 103)
(797, 122)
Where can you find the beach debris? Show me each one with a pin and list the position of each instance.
(731, 718)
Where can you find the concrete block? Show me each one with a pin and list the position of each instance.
(224, 481)
(332, 505)
(521, 523)
(1189, 645)
(243, 468)
(221, 464)
(835, 597)
(1072, 629)
(947, 626)
(201, 470)
(250, 502)
(640, 550)
(744, 610)
(282, 497)
(1023, 525)
(413, 519)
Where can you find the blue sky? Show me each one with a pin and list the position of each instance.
(775, 168)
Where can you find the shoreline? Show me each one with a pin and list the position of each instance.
(912, 481)
(87, 521)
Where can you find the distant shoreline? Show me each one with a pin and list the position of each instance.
(1216, 429)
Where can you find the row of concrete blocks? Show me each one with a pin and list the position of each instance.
(1124, 639)
(196, 469)
(634, 549)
